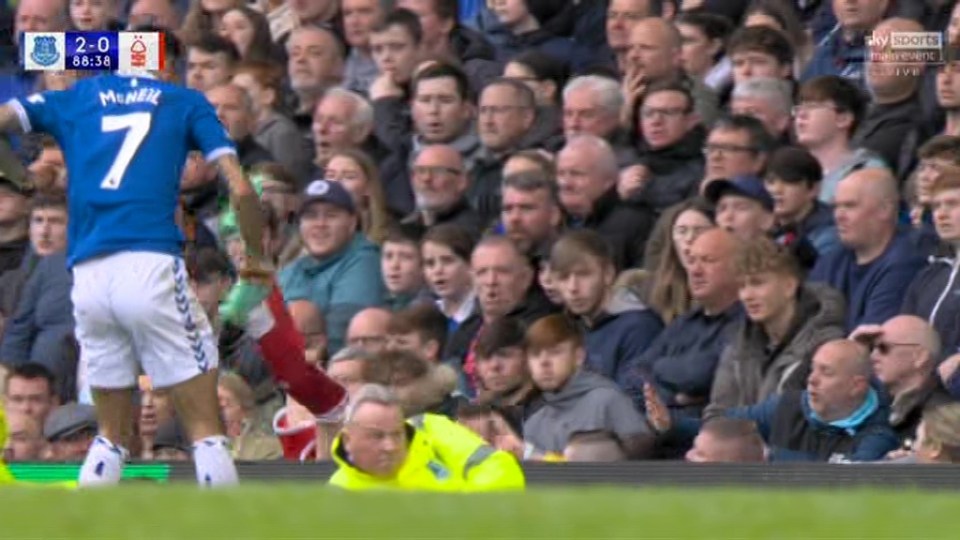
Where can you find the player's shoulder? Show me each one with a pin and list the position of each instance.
(182, 94)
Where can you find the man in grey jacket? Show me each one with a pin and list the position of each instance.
(576, 400)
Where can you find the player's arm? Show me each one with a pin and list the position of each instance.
(246, 204)
(10, 120)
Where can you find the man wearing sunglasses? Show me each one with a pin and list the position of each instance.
(904, 352)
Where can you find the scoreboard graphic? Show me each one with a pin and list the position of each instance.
(91, 51)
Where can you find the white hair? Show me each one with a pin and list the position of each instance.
(361, 121)
(370, 393)
(607, 90)
(776, 92)
(605, 160)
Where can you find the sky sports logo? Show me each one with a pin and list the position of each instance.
(906, 48)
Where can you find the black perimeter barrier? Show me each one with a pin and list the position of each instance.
(658, 473)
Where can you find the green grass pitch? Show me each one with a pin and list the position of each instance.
(303, 511)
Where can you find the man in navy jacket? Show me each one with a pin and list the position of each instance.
(839, 417)
(877, 260)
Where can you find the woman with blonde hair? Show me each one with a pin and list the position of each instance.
(669, 293)
(938, 437)
(359, 175)
(240, 417)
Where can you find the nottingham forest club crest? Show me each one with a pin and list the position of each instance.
(45, 51)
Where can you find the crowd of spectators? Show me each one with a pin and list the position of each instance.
(719, 230)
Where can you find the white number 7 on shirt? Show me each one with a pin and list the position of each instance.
(138, 125)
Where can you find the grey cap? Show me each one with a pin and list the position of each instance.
(68, 420)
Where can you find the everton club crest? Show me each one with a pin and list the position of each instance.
(45, 51)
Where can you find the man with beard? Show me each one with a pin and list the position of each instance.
(439, 183)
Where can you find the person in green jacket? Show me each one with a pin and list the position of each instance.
(378, 450)
(340, 269)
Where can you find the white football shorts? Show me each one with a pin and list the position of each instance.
(136, 313)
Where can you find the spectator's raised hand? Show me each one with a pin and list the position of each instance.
(657, 413)
(383, 87)
(504, 438)
(634, 85)
(632, 181)
(866, 333)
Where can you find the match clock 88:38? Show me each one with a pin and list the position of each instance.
(92, 50)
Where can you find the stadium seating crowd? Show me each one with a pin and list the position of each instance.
(595, 230)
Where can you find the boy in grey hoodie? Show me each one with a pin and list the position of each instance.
(576, 400)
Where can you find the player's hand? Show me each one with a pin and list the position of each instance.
(657, 412)
(256, 270)
(949, 368)
(632, 181)
(245, 295)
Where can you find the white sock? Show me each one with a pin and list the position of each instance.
(103, 465)
(215, 467)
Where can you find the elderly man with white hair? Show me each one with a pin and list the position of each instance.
(342, 120)
(587, 177)
(768, 100)
(592, 105)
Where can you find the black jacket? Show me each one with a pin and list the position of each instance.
(794, 433)
(626, 227)
(893, 132)
(12, 253)
(906, 411)
(676, 171)
(484, 192)
(547, 130)
(395, 169)
(240, 354)
(461, 214)
(477, 55)
(250, 153)
(533, 307)
(934, 295)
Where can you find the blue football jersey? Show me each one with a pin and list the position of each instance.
(125, 140)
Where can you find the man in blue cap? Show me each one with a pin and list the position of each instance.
(743, 206)
(340, 269)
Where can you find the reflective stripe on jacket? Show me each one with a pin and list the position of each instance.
(442, 456)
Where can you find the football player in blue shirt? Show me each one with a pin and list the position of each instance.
(125, 139)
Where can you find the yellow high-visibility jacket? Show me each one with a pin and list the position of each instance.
(442, 456)
(6, 478)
